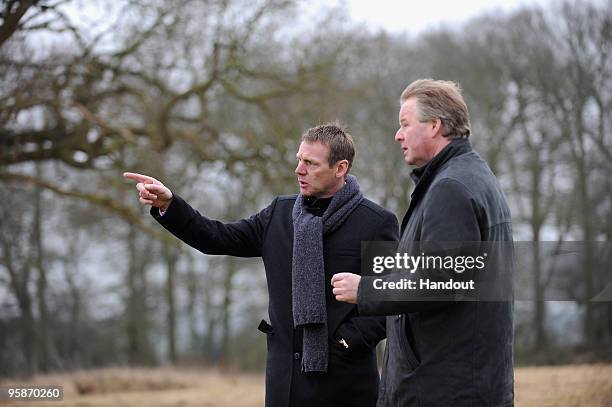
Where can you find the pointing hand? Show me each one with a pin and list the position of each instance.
(151, 191)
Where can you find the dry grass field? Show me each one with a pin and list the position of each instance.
(575, 385)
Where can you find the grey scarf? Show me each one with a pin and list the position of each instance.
(308, 270)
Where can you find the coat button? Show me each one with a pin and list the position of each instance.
(296, 355)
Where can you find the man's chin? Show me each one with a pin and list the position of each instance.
(307, 193)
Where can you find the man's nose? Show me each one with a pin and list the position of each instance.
(299, 170)
(398, 135)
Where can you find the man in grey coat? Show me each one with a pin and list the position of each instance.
(453, 352)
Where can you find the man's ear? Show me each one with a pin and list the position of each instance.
(342, 168)
(437, 126)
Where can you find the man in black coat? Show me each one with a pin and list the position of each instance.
(441, 350)
(320, 353)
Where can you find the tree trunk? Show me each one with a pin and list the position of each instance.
(210, 321)
(19, 278)
(192, 301)
(41, 283)
(139, 349)
(226, 307)
(539, 315)
(171, 257)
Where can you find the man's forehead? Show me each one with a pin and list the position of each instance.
(312, 147)
(407, 107)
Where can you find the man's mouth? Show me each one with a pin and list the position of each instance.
(302, 183)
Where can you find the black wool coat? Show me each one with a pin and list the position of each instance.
(352, 377)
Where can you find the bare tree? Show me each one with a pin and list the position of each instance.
(18, 261)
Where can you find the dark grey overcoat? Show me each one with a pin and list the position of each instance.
(449, 353)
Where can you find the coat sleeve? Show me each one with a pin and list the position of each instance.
(243, 238)
(450, 215)
(364, 332)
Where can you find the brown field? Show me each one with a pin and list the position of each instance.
(574, 385)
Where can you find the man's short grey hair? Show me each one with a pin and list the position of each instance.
(336, 137)
(440, 100)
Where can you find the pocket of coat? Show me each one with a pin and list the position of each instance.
(410, 354)
(352, 337)
(265, 327)
(338, 352)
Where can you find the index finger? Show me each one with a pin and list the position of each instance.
(138, 177)
(336, 277)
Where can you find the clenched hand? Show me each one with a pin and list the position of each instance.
(345, 287)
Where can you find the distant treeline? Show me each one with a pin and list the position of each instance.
(210, 98)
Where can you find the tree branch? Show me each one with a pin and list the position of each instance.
(11, 18)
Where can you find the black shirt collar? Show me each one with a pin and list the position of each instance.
(317, 206)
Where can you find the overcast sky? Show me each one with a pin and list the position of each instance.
(413, 16)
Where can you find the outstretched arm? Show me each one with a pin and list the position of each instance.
(242, 238)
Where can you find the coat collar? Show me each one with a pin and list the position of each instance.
(423, 176)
